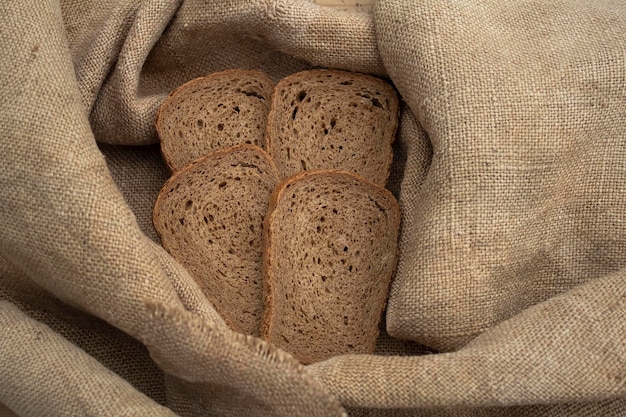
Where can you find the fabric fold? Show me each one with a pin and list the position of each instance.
(509, 170)
(524, 104)
(44, 374)
(567, 349)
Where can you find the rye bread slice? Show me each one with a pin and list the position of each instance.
(331, 247)
(209, 216)
(332, 119)
(213, 112)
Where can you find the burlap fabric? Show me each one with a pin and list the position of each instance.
(510, 169)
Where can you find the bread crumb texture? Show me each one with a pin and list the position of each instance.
(306, 263)
(209, 216)
(332, 250)
(331, 119)
(214, 112)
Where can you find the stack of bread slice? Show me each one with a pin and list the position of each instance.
(277, 206)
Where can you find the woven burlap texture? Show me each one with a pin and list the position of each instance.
(510, 168)
(526, 193)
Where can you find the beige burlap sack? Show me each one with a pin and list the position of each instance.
(525, 106)
(510, 168)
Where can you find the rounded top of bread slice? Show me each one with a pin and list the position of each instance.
(333, 119)
(331, 247)
(213, 112)
(209, 216)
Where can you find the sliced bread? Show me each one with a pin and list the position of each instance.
(208, 113)
(209, 216)
(330, 252)
(331, 119)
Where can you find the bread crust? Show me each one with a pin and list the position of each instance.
(387, 100)
(270, 279)
(159, 218)
(170, 155)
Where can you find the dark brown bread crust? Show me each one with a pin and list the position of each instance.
(332, 119)
(213, 112)
(209, 217)
(328, 263)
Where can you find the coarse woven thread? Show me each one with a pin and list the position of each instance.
(169, 43)
(66, 226)
(525, 195)
(523, 107)
(43, 371)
